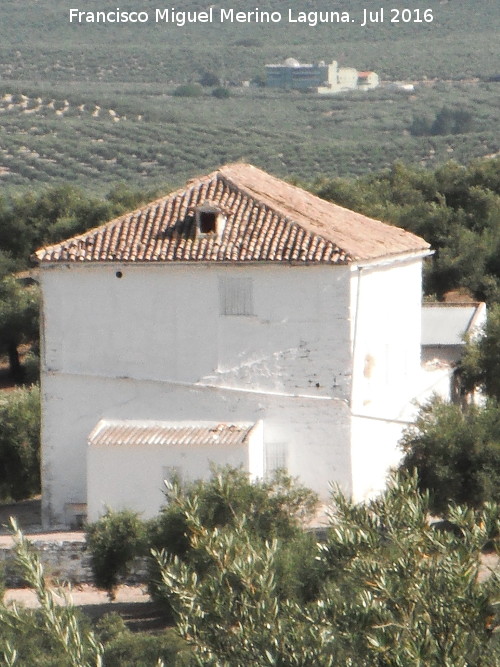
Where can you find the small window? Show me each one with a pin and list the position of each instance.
(208, 222)
(276, 457)
(236, 296)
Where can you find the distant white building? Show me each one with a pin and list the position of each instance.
(367, 80)
(240, 320)
(323, 78)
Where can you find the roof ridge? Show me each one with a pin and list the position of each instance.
(261, 202)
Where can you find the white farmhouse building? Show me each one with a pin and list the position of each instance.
(241, 320)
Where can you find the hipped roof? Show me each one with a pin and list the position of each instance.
(268, 220)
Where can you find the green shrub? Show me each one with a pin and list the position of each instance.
(274, 508)
(189, 90)
(114, 541)
(221, 93)
(124, 648)
(299, 571)
(20, 443)
(209, 79)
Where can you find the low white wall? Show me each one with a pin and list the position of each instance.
(132, 477)
(374, 452)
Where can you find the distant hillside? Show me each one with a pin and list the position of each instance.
(93, 104)
(39, 43)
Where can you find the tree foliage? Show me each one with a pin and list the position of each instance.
(188, 90)
(273, 509)
(276, 507)
(34, 219)
(221, 93)
(455, 208)
(19, 306)
(456, 453)
(479, 367)
(114, 541)
(446, 121)
(57, 627)
(209, 79)
(20, 443)
(394, 591)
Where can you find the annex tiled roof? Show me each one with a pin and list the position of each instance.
(267, 220)
(129, 432)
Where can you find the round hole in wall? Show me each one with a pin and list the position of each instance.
(119, 274)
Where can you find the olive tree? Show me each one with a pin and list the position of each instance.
(395, 591)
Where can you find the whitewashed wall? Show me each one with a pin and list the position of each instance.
(386, 332)
(137, 482)
(374, 452)
(155, 344)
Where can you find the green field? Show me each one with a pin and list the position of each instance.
(92, 104)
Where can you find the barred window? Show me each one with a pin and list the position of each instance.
(276, 457)
(236, 295)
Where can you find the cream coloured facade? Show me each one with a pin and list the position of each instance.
(307, 346)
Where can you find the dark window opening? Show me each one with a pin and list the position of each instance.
(208, 222)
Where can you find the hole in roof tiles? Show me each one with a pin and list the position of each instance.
(119, 274)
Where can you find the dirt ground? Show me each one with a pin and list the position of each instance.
(133, 603)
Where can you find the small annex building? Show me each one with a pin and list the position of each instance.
(447, 326)
(238, 320)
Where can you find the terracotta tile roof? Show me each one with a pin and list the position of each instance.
(129, 432)
(267, 220)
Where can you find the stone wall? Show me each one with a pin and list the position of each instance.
(63, 560)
